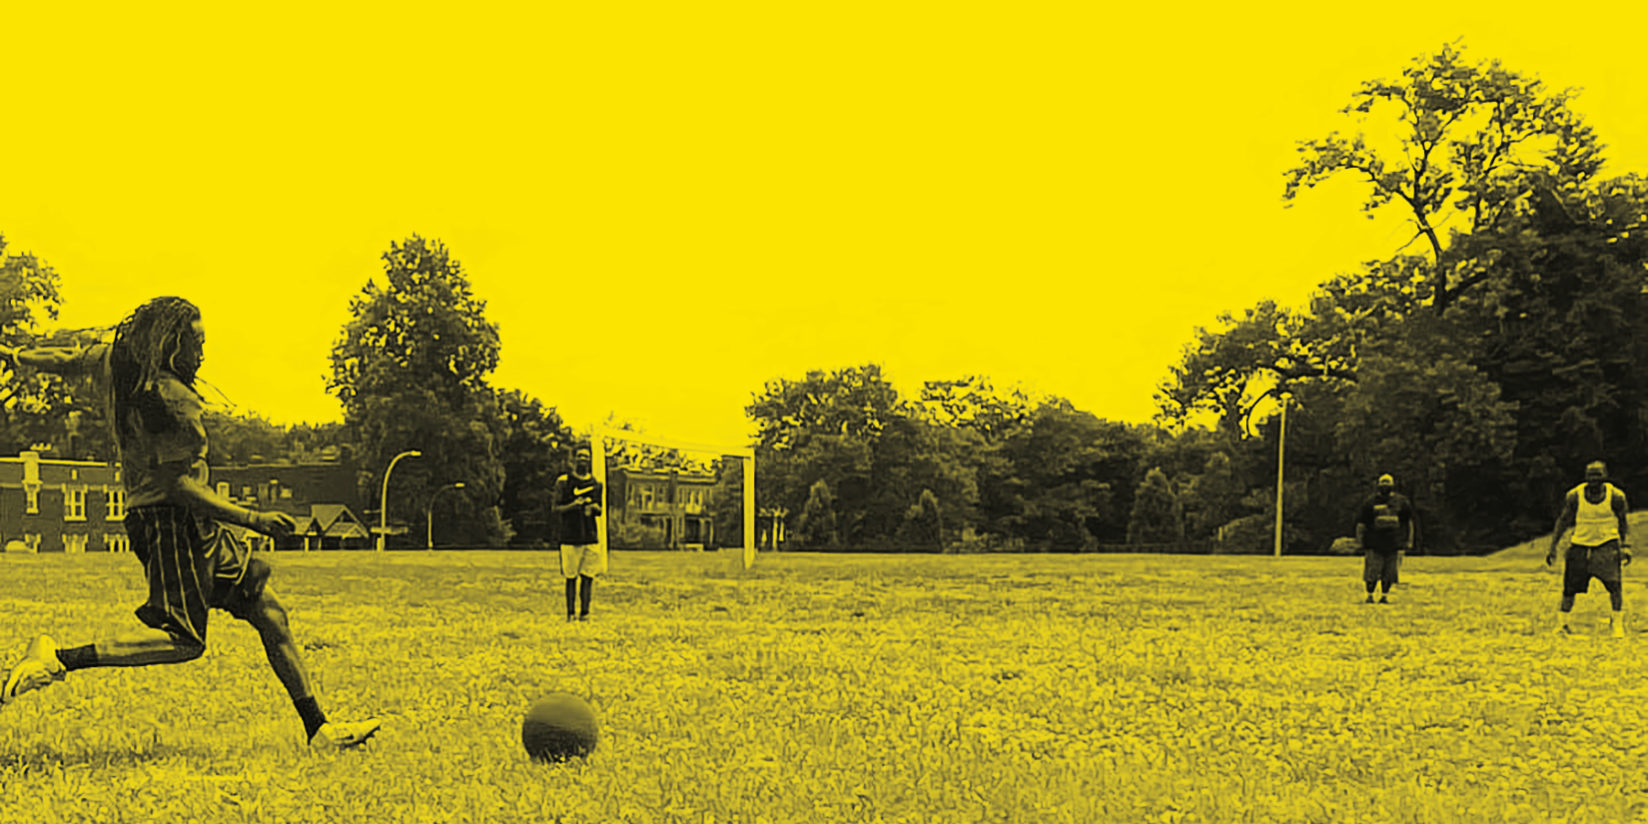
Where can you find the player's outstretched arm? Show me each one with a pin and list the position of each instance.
(1621, 511)
(63, 360)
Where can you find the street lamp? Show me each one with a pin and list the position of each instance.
(383, 505)
(429, 516)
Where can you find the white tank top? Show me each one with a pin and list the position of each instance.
(1595, 524)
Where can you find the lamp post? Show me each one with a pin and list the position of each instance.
(1281, 447)
(429, 516)
(383, 504)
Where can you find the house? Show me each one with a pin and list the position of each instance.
(321, 496)
(672, 507)
(53, 505)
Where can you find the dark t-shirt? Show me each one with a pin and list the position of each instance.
(576, 526)
(1387, 521)
(163, 437)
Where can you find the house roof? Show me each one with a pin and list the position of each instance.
(333, 521)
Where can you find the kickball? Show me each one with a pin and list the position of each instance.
(559, 726)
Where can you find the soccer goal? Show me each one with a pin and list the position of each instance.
(666, 493)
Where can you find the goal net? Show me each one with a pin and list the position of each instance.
(671, 494)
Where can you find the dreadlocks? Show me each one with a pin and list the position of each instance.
(155, 339)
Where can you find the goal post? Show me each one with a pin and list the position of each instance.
(600, 436)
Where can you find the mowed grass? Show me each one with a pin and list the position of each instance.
(851, 688)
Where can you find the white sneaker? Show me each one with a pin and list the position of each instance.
(38, 669)
(343, 735)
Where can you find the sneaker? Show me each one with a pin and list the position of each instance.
(38, 669)
(571, 617)
(584, 617)
(1384, 600)
(342, 735)
(1370, 599)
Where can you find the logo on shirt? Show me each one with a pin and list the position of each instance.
(582, 492)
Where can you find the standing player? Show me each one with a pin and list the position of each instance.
(577, 502)
(174, 518)
(1384, 529)
(1596, 510)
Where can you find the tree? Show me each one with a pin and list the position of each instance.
(66, 416)
(1466, 131)
(1065, 479)
(411, 369)
(1227, 370)
(245, 438)
(1157, 516)
(817, 526)
(923, 524)
(1213, 498)
(533, 443)
(851, 429)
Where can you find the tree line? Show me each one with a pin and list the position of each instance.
(1483, 371)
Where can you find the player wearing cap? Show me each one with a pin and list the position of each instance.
(1384, 529)
(1595, 510)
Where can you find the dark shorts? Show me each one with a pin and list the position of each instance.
(1380, 566)
(191, 567)
(1586, 562)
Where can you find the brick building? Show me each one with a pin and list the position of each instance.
(52, 505)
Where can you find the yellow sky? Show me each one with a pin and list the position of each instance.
(1054, 194)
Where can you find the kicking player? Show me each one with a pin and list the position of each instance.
(1384, 529)
(174, 519)
(1596, 510)
(577, 502)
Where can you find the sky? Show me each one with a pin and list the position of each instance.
(1052, 195)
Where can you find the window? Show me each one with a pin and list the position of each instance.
(32, 489)
(74, 503)
(117, 503)
(117, 542)
(74, 543)
(285, 493)
(223, 488)
(245, 492)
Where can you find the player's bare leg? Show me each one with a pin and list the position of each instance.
(45, 664)
(268, 617)
(1616, 598)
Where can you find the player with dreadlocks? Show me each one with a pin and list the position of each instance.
(174, 519)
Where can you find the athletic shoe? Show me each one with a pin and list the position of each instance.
(38, 669)
(1619, 629)
(571, 617)
(343, 735)
(1384, 600)
(1369, 601)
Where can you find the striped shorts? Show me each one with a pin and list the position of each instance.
(192, 566)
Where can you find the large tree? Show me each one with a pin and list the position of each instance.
(1465, 135)
(411, 369)
(39, 408)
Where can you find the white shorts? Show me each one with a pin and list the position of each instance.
(583, 559)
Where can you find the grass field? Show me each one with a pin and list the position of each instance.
(852, 688)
